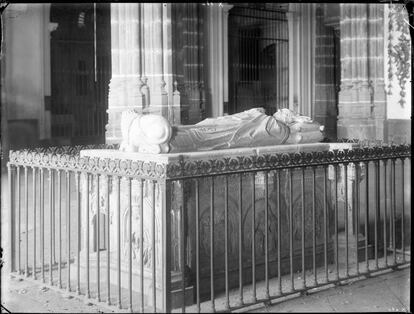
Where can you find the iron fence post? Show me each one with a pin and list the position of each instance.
(166, 189)
(12, 218)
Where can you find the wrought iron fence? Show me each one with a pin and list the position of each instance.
(258, 63)
(207, 235)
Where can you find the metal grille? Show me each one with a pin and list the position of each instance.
(80, 71)
(258, 59)
(207, 236)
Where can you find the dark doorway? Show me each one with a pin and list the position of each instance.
(258, 59)
(80, 71)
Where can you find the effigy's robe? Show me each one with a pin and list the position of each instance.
(251, 128)
(248, 128)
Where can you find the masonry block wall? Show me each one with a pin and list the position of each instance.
(325, 106)
(188, 59)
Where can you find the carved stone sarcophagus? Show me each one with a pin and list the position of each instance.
(185, 180)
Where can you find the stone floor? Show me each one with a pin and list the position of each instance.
(389, 292)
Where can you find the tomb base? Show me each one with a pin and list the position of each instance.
(248, 192)
(176, 292)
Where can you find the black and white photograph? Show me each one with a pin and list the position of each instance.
(206, 157)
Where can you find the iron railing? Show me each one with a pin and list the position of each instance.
(259, 60)
(139, 234)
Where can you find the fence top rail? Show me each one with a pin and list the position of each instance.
(69, 159)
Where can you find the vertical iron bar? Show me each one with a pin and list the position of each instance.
(141, 244)
(314, 224)
(182, 258)
(279, 233)
(393, 198)
(198, 242)
(165, 190)
(325, 219)
(87, 238)
(79, 205)
(130, 241)
(68, 224)
(42, 223)
(59, 196)
(118, 240)
(377, 209)
(266, 183)
(402, 211)
(97, 242)
(212, 244)
(303, 229)
(226, 241)
(367, 214)
(336, 222)
(54, 217)
(292, 286)
(26, 190)
(357, 215)
(253, 236)
(19, 213)
(153, 260)
(346, 218)
(385, 212)
(34, 223)
(51, 225)
(108, 246)
(241, 241)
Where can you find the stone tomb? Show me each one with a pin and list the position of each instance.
(182, 195)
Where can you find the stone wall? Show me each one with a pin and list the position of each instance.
(26, 73)
(325, 93)
(188, 61)
(398, 131)
(362, 97)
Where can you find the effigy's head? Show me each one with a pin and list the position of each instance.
(149, 133)
(289, 116)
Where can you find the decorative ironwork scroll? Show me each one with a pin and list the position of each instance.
(67, 159)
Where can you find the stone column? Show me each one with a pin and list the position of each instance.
(153, 47)
(125, 85)
(217, 21)
(301, 21)
(362, 95)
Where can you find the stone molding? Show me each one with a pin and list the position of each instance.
(172, 169)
